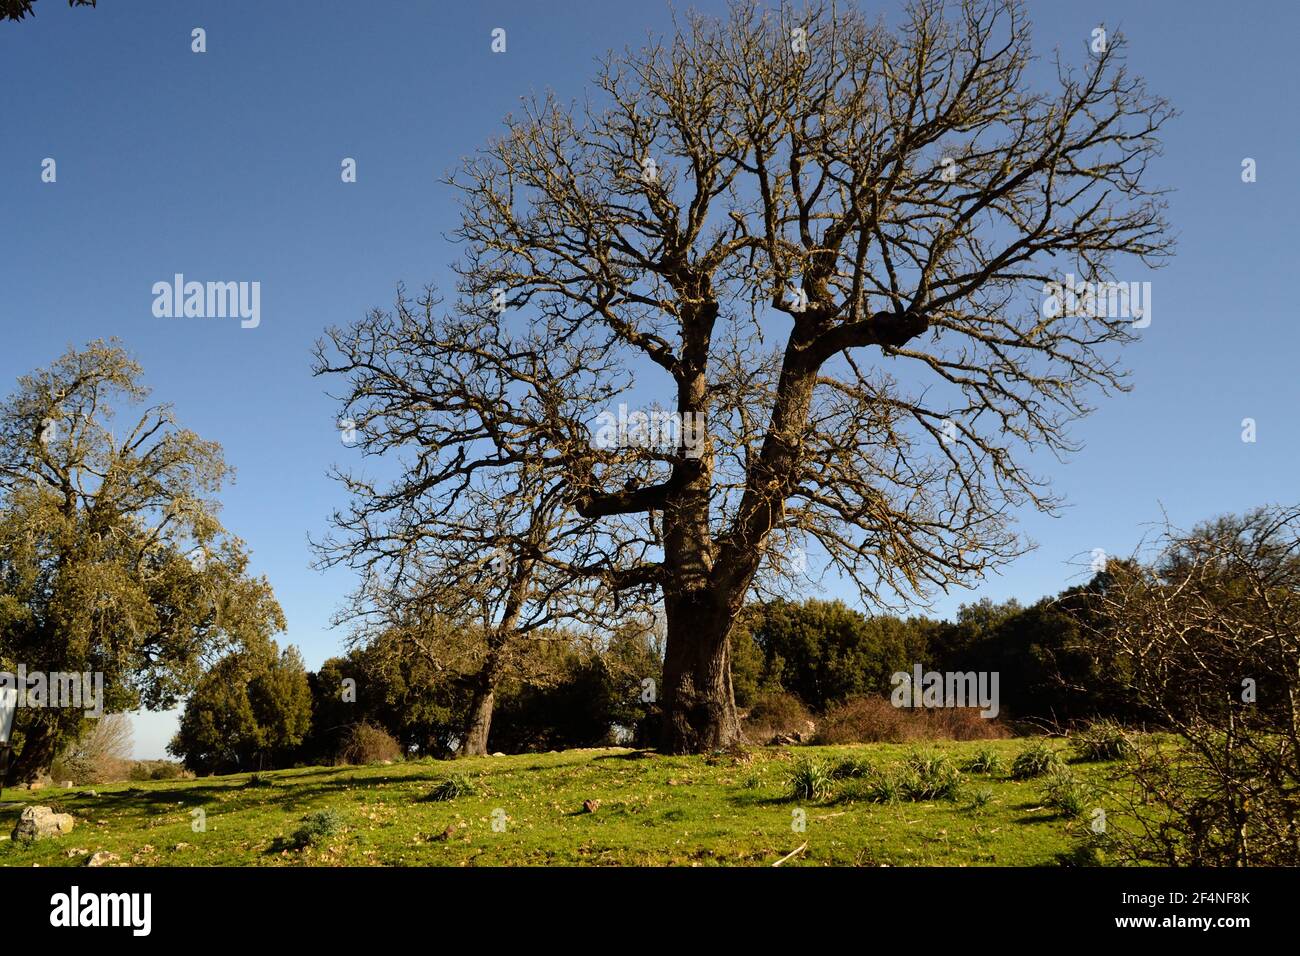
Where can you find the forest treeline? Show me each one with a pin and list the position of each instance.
(262, 709)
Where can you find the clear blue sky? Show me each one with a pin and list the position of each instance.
(225, 165)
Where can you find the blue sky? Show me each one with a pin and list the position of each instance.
(225, 165)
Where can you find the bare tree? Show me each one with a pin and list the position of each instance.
(18, 9)
(1204, 638)
(488, 538)
(831, 239)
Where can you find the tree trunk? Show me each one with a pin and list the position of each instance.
(479, 723)
(40, 747)
(699, 708)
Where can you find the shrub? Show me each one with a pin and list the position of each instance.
(810, 780)
(366, 743)
(100, 754)
(1034, 761)
(776, 712)
(451, 788)
(960, 723)
(157, 770)
(259, 780)
(317, 827)
(1102, 740)
(867, 720)
(980, 800)
(985, 760)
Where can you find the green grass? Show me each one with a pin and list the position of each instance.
(652, 810)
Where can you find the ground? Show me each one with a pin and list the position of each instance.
(529, 810)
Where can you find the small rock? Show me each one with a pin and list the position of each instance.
(71, 853)
(88, 793)
(36, 823)
(67, 785)
(590, 806)
(102, 858)
(180, 846)
(498, 754)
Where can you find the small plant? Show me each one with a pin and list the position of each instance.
(1102, 740)
(452, 788)
(931, 776)
(985, 760)
(317, 827)
(1065, 792)
(851, 768)
(1034, 761)
(752, 781)
(884, 787)
(980, 800)
(259, 780)
(809, 780)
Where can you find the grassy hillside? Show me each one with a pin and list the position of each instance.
(652, 810)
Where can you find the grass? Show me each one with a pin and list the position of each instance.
(529, 810)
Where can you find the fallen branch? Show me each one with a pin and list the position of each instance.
(799, 849)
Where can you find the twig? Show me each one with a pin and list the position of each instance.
(791, 853)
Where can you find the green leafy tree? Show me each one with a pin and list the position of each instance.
(112, 558)
(249, 712)
(824, 651)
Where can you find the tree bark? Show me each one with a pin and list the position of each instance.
(479, 723)
(699, 707)
(40, 747)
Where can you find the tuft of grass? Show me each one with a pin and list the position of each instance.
(1036, 760)
(985, 760)
(259, 780)
(1064, 791)
(455, 786)
(1102, 740)
(931, 776)
(318, 827)
(980, 800)
(851, 768)
(809, 779)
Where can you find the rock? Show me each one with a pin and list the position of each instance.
(103, 858)
(783, 740)
(36, 823)
(590, 806)
(180, 846)
(88, 793)
(71, 853)
(67, 785)
(498, 754)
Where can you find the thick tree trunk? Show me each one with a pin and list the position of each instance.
(479, 723)
(699, 708)
(40, 747)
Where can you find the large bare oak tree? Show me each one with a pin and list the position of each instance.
(830, 239)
